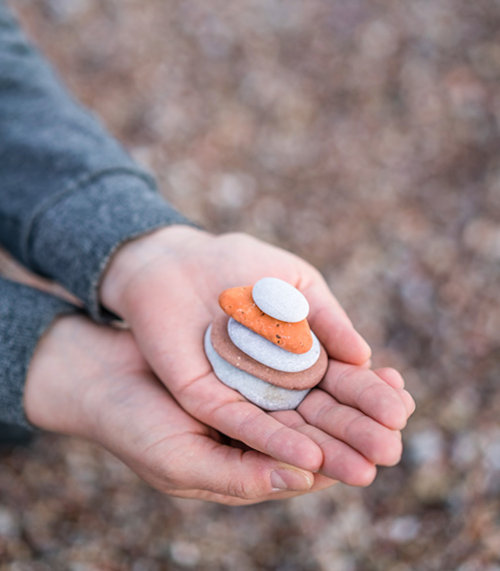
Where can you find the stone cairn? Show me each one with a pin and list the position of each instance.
(262, 345)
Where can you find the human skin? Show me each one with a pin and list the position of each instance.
(188, 434)
(165, 285)
(91, 381)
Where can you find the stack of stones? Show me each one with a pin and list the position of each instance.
(262, 345)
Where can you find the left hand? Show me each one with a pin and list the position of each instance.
(92, 381)
(166, 286)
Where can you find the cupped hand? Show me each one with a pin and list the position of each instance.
(91, 381)
(166, 287)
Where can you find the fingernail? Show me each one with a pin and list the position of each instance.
(290, 479)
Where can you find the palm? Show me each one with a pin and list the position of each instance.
(172, 451)
(173, 301)
(92, 381)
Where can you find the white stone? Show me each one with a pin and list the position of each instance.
(280, 300)
(404, 529)
(261, 393)
(270, 354)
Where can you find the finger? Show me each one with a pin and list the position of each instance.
(366, 391)
(374, 441)
(222, 408)
(320, 483)
(143, 425)
(213, 403)
(341, 462)
(393, 378)
(204, 464)
(332, 326)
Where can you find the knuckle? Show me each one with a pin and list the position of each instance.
(368, 393)
(339, 379)
(242, 489)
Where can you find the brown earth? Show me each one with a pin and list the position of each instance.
(363, 136)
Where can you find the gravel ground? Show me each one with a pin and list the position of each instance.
(363, 136)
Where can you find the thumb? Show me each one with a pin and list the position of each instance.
(224, 470)
(331, 324)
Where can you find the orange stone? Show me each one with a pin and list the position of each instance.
(238, 303)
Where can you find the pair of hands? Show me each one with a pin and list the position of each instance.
(149, 396)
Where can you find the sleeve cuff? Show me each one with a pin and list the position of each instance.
(25, 314)
(74, 237)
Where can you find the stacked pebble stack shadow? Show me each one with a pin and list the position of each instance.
(262, 345)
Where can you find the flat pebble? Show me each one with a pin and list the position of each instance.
(237, 302)
(230, 353)
(270, 354)
(280, 300)
(261, 393)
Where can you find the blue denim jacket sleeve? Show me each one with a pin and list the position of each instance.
(69, 192)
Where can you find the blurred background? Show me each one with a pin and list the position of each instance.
(363, 136)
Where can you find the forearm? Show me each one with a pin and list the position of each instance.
(170, 247)
(70, 194)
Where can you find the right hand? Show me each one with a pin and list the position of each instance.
(165, 285)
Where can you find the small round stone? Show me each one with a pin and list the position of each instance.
(261, 393)
(280, 300)
(270, 354)
(237, 302)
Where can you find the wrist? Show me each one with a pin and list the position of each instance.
(132, 257)
(52, 400)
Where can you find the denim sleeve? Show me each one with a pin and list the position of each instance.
(69, 193)
(25, 314)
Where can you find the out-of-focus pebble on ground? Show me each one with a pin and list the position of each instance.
(364, 136)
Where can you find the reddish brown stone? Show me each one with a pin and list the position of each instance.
(228, 351)
(237, 302)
